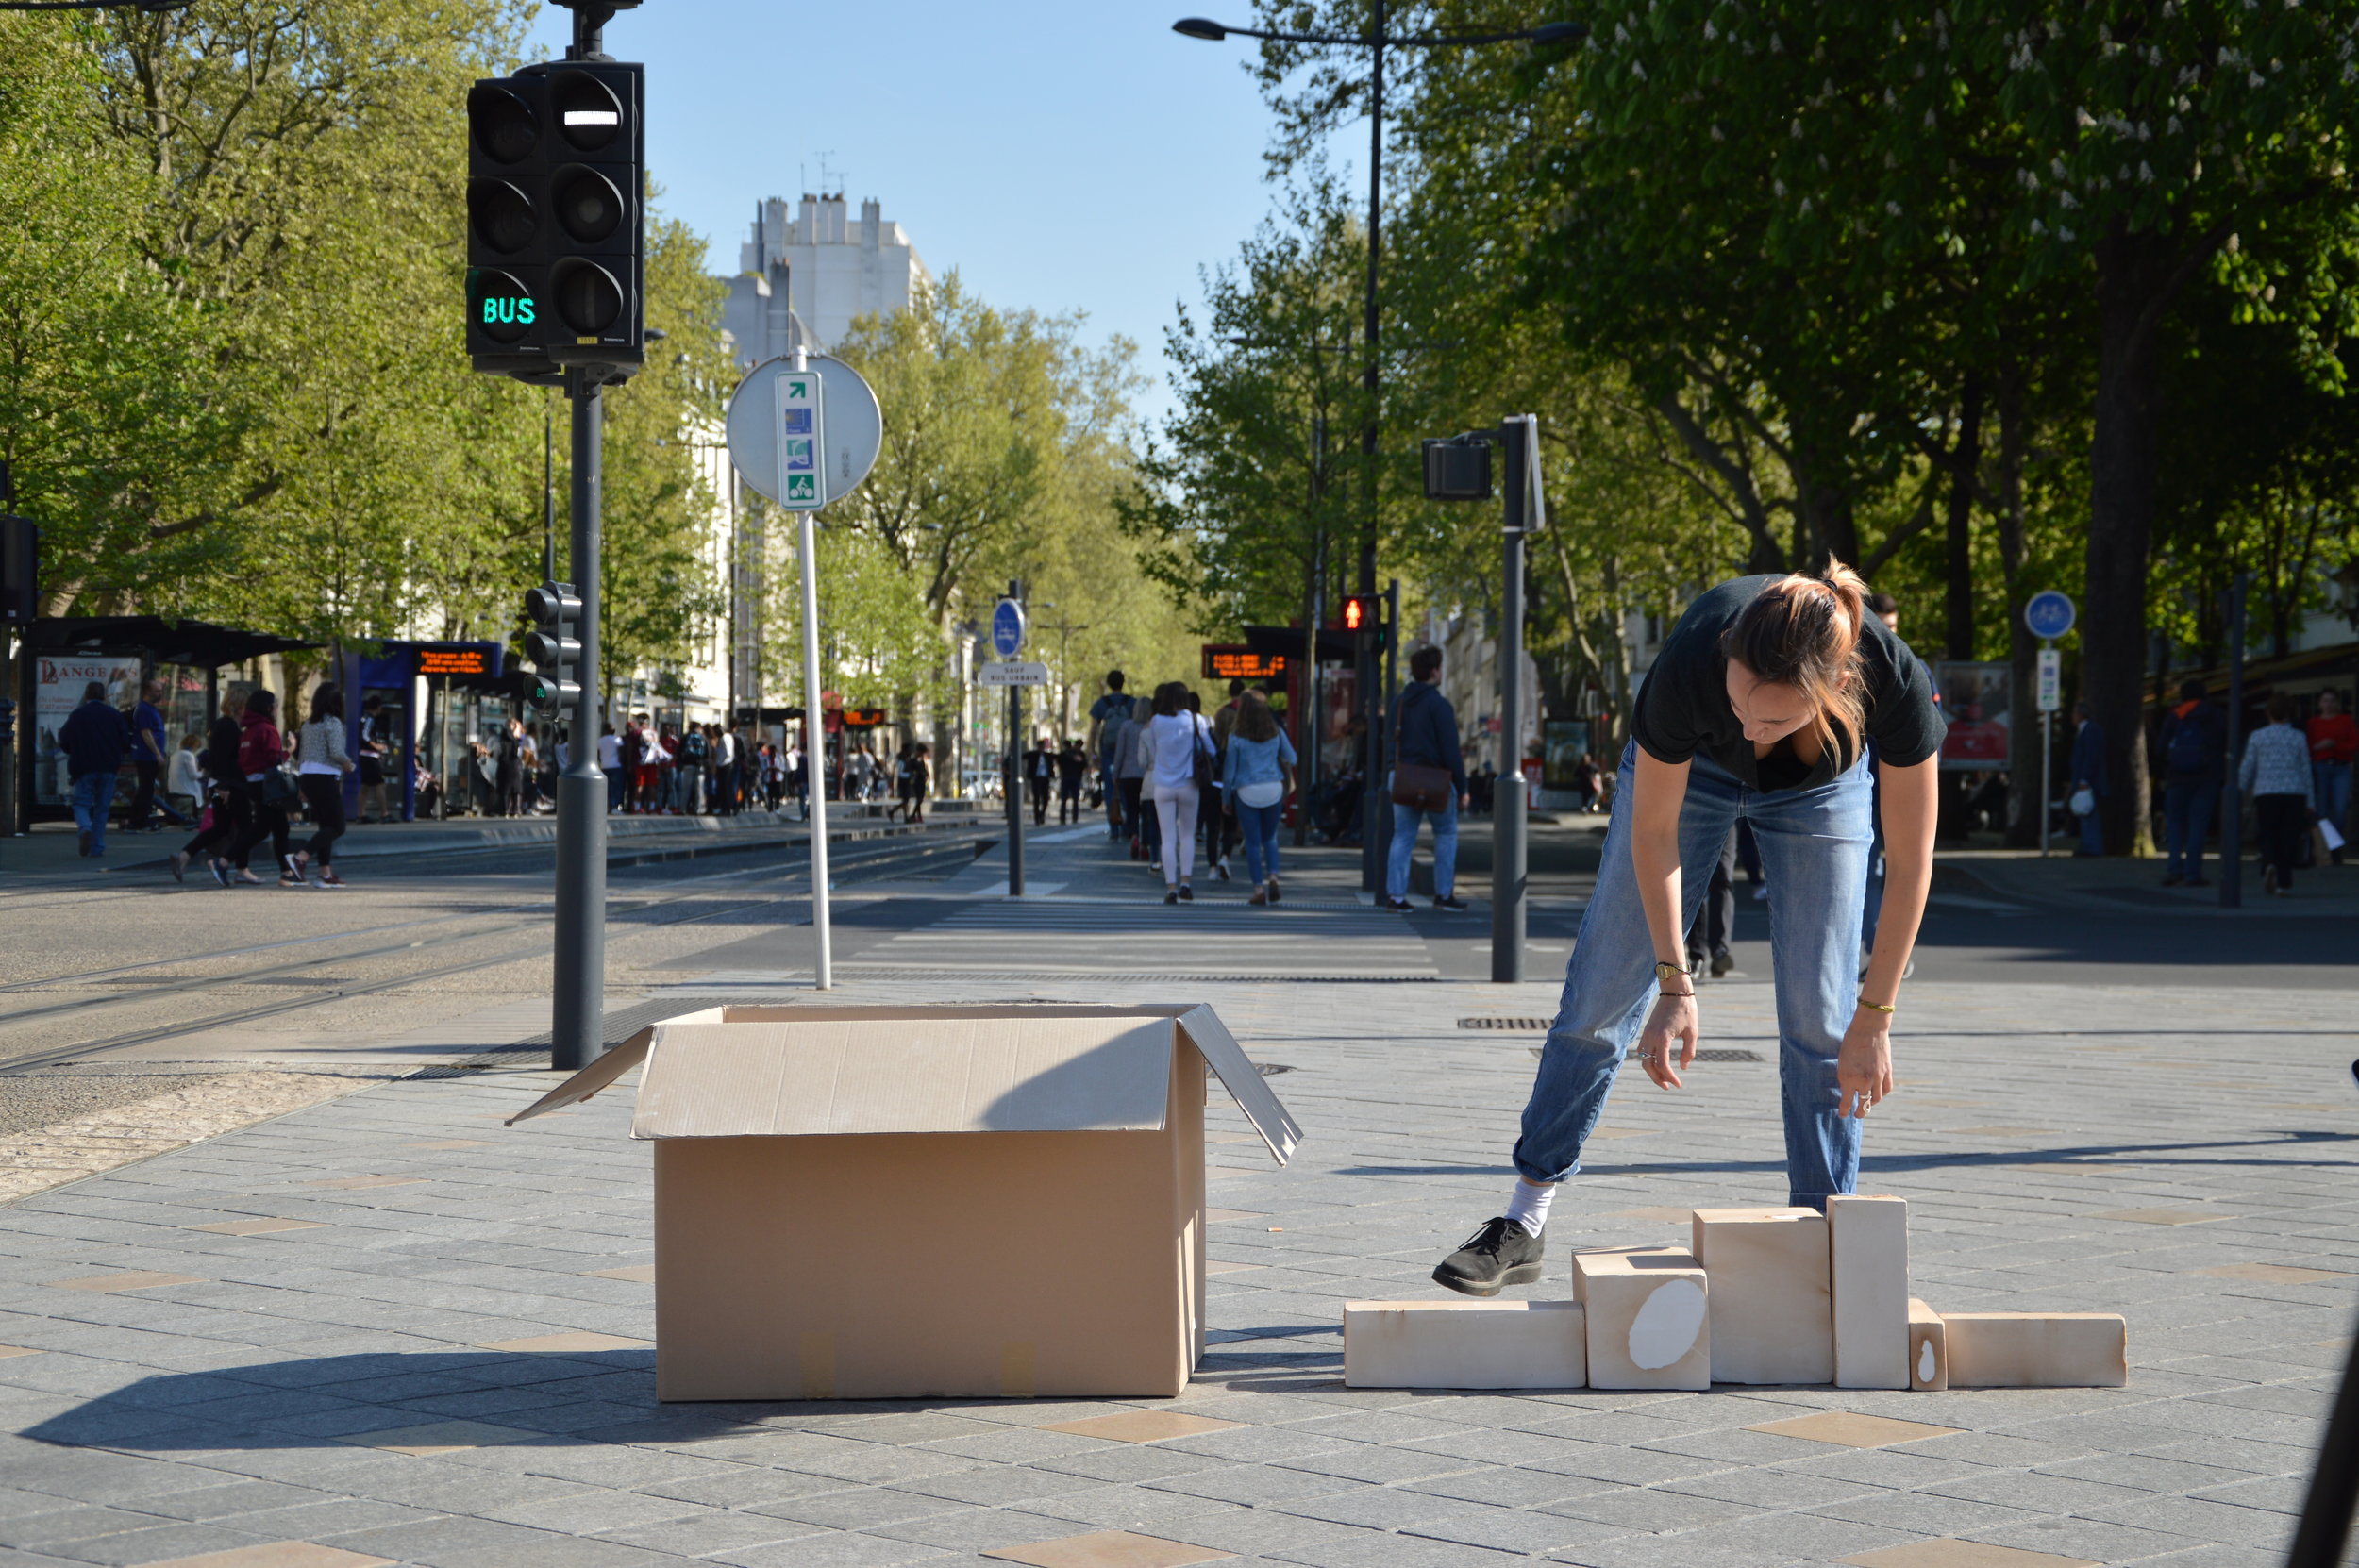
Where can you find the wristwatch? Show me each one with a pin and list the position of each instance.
(1665, 973)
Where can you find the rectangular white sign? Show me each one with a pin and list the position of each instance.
(802, 436)
(2051, 680)
(1015, 673)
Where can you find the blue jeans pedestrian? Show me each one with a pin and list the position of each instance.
(2186, 821)
(93, 793)
(1814, 847)
(2332, 783)
(1405, 820)
(1260, 826)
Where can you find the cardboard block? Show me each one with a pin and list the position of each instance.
(2038, 1350)
(1867, 1254)
(1465, 1345)
(1929, 1350)
(1650, 1320)
(1767, 1269)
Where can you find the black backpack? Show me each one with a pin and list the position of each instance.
(2191, 748)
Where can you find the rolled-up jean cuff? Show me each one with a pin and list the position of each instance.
(1539, 1178)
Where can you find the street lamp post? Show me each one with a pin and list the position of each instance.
(1376, 42)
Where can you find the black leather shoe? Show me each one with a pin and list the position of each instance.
(1502, 1253)
(1450, 902)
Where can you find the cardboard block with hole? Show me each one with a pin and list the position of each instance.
(2036, 1350)
(1003, 1138)
(1465, 1345)
(1771, 1311)
(1867, 1256)
(1929, 1350)
(1648, 1318)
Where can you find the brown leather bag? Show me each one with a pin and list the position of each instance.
(1422, 786)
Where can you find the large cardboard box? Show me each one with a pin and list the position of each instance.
(860, 1203)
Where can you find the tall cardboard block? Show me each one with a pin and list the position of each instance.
(2038, 1350)
(1649, 1319)
(1771, 1314)
(1465, 1345)
(1868, 1253)
(1041, 1170)
(1929, 1350)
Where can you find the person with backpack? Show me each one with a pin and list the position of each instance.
(2195, 749)
(1108, 714)
(261, 757)
(93, 738)
(321, 767)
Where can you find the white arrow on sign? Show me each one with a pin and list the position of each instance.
(1013, 673)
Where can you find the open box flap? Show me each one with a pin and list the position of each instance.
(1244, 1081)
(812, 1074)
(604, 1070)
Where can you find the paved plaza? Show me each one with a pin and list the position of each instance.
(389, 1328)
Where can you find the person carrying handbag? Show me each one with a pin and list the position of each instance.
(323, 764)
(261, 768)
(1429, 782)
(1178, 753)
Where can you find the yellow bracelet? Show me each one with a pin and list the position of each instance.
(1876, 1006)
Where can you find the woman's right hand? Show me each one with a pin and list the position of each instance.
(1673, 1018)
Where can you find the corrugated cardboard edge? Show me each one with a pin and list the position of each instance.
(608, 1068)
(1244, 1081)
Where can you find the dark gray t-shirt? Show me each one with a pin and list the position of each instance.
(1683, 707)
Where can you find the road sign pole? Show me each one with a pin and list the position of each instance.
(1012, 770)
(2047, 765)
(815, 750)
(578, 1000)
(1509, 800)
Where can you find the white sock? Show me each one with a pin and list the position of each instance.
(1528, 1206)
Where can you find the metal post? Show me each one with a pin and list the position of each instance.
(1011, 775)
(2335, 1484)
(2232, 793)
(2047, 766)
(549, 494)
(815, 733)
(1507, 801)
(577, 1001)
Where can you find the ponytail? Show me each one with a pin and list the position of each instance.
(1804, 631)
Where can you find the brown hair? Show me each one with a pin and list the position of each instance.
(1255, 722)
(1167, 699)
(1803, 631)
(2280, 708)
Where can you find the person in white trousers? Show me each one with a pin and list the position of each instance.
(1174, 738)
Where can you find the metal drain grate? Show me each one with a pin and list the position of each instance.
(1516, 1026)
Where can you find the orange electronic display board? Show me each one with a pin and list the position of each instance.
(453, 661)
(1236, 662)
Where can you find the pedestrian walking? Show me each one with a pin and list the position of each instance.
(2276, 774)
(261, 767)
(1429, 782)
(93, 738)
(1107, 716)
(2333, 737)
(376, 746)
(1072, 765)
(221, 819)
(2088, 781)
(150, 756)
(1137, 815)
(1212, 817)
(724, 755)
(1177, 750)
(611, 765)
(321, 764)
(184, 782)
(2195, 742)
(1759, 706)
(1257, 772)
(1709, 932)
(921, 782)
(529, 770)
(508, 770)
(1040, 778)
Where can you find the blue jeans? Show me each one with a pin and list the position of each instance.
(1814, 847)
(93, 793)
(1405, 819)
(2332, 783)
(2092, 833)
(1260, 826)
(2187, 821)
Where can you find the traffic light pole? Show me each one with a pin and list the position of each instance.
(1509, 798)
(577, 1009)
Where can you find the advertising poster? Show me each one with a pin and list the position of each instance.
(1564, 739)
(1974, 700)
(58, 685)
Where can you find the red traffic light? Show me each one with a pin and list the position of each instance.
(1359, 612)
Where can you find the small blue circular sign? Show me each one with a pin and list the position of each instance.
(2049, 615)
(1007, 629)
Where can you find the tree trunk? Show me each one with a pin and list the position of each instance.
(2134, 283)
(1965, 460)
(2026, 791)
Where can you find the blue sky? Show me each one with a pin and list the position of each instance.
(1059, 155)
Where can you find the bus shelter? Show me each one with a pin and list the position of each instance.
(433, 700)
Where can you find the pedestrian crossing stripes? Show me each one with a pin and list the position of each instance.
(1065, 937)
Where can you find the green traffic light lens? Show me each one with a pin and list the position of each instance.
(500, 308)
(588, 298)
(500, 215)
(588, 205)
(501, 123)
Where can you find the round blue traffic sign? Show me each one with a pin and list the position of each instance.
(1007, 629)
(2049, 615)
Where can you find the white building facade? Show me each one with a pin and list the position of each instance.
(804, 277)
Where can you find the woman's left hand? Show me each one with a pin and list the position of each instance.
(1864, 1070)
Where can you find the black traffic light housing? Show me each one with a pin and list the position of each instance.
(1458, 469)
(556, 218)
(551, 647)
(1364, 612)
(20, 571)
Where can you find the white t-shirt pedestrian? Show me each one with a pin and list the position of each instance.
(610, 753)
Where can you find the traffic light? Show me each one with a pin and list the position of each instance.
(556, 220)
(1365, 612)
(20, 570)
(551, 648)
